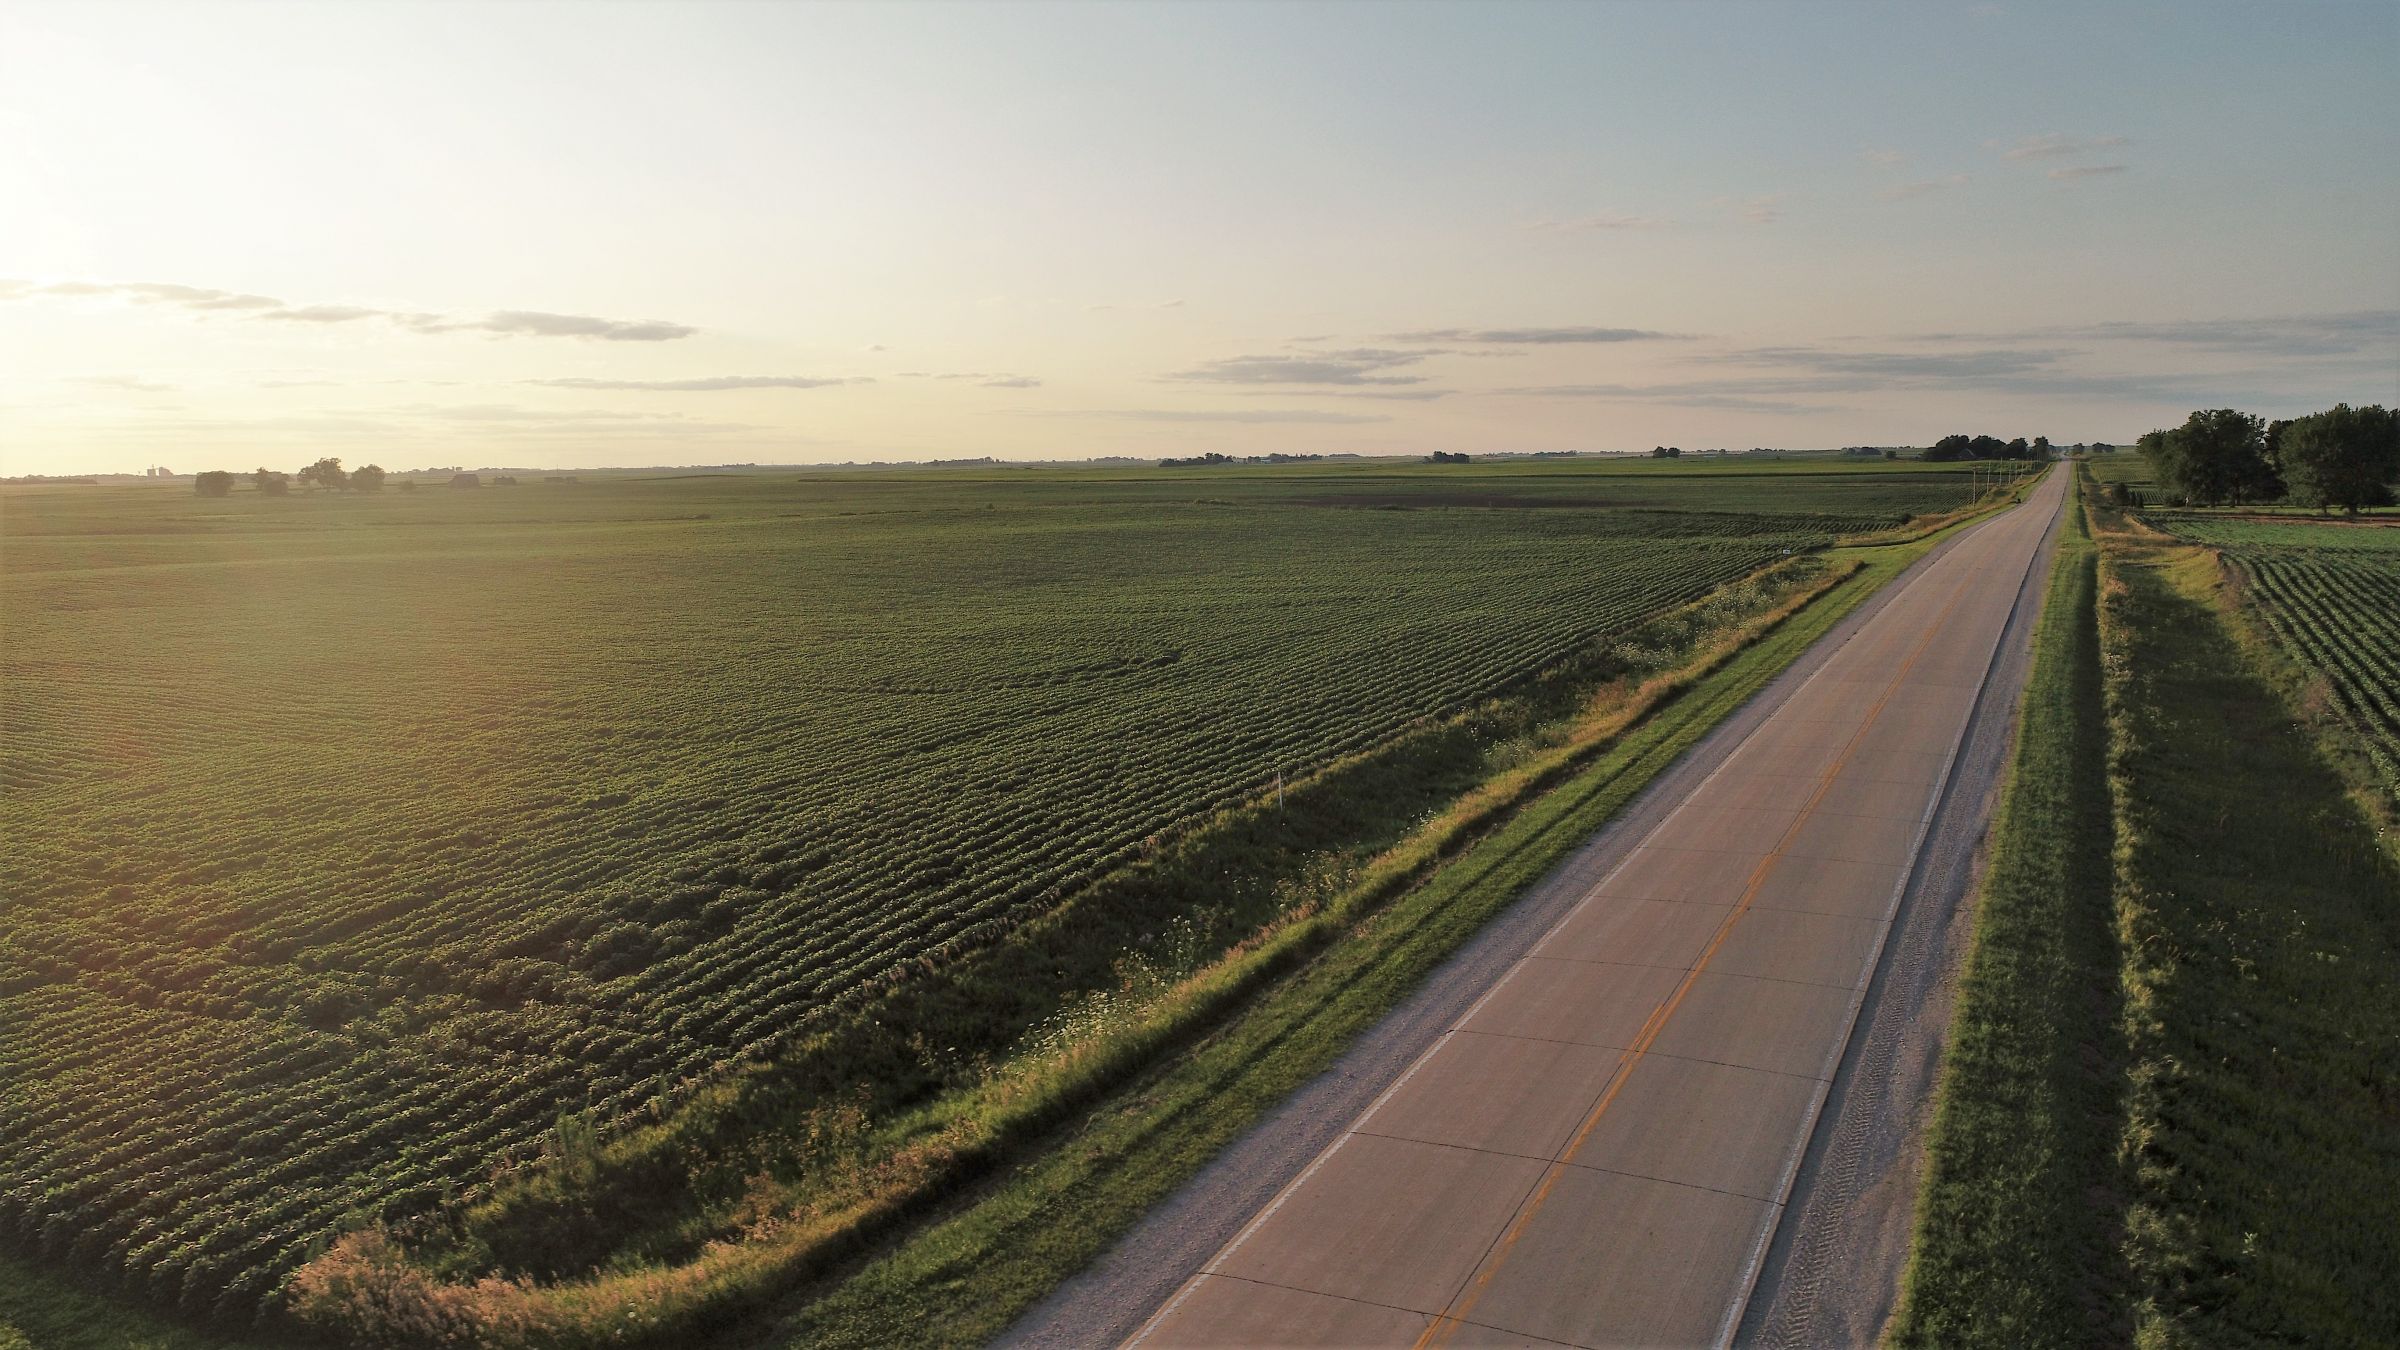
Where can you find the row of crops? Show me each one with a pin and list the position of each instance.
(2330, 594)
(348, 852)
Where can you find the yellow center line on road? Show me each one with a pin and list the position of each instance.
(1447, 1323)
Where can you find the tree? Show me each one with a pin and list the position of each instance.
(2272, 450)
(2344, 456)
(214, 483)
(326, 473)
(272, 483)
(2216, 456)
(2041, 447)
(2017, 449)
(367, 478)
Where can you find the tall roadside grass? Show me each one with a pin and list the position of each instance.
(2019, 1216)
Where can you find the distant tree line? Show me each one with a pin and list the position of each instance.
(1953, 448)
(1213, 458)
(1448, 457)
(2343, 457)
(1666, 452)
(326, 473)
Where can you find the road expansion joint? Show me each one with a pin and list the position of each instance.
(1654, 965)
(1664, 1181)
(1455, 1148)
(1304, 1289)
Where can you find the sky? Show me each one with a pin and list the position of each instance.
(542, 235)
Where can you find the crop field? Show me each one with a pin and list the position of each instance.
(2330, 594)
(354, 840)
(2252, 904)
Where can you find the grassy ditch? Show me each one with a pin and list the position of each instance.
(2193, 1145)
(2019, 1216)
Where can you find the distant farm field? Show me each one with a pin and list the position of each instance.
(354, 840)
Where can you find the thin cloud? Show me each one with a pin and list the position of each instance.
(2374, 332)
(985, 378)
(197, 297)
(1359, 366)
(511, 419)
(1717, 395)
(2053, 145)
(139, 386)
(2002, 370)
(709, 384)
(510, 412)
(2075, 171)
(1901, 192)
(1601, 220)
(1886, 159)
(541, 324)
(1170, 304)
(1982, 364)
(323, 314)
(1761, 210)
(1258, 416)
(1412, 395)
(1536, 336)
(206, 300)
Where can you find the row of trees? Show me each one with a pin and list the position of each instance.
(1952, 448)
(326, 473)
(2343, 457)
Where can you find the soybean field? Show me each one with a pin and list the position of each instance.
(354, 839)
(2330, 595)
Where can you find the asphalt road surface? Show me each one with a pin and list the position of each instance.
(1597, 1151)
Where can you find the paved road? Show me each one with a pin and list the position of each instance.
(1598, 1150)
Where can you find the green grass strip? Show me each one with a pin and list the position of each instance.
(2018, 1218)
